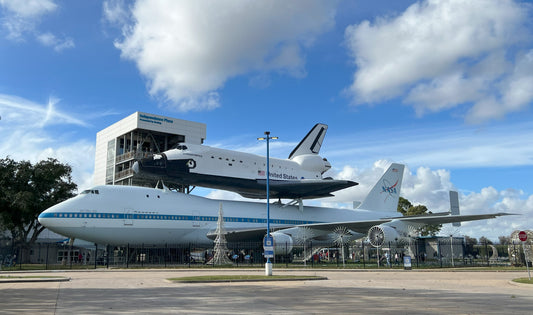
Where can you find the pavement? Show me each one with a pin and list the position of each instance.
(345, 292)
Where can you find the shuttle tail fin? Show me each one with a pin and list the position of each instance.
(312, 142)
(385, 194)
(454, 206)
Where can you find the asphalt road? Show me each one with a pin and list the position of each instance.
(345, 292)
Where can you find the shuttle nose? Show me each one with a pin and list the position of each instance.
(154, 165)
(135, 167)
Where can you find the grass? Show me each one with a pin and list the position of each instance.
(230, 278)
(523, 280)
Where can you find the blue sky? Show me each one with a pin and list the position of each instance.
(442, 86)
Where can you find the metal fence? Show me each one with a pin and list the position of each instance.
(424, 253)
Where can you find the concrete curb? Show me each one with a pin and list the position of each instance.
(24, 280)
(247, 280)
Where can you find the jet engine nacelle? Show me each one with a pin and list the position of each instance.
(282, 243)
(380, 235)
(312, 163)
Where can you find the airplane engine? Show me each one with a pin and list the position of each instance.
(282, 243)
(380, 235)
(313, 163)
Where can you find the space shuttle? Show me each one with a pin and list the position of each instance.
(120, 215)
(298, 177)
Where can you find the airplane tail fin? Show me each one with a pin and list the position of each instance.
(312, 142)
(454, 206)
(385, 194)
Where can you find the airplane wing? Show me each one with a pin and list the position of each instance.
(363, 226)
(443, 219)
(304, 189)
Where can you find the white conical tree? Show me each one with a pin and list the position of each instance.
(220, 256)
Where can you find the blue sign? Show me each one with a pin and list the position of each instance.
(407, 262)
(268, 246)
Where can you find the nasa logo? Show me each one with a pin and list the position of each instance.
(390, 189)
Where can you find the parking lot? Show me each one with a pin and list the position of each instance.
(346, 291)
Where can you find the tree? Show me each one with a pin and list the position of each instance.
(403, 205)
(27, 190)
(469, 246)
(504, 240)
(407, 209)
(483, 240)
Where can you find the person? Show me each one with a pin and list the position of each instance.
(387, 258)
(396, 261)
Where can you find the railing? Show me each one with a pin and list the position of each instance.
(357, 255)
(123, 174)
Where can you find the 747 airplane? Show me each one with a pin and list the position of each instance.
(298, 177)
(120, 215)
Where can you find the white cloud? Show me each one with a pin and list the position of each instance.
(439, 54)
(21, 18)
(116, 12)
(18, 110)
(29, 8)
(32, 131)
(189, 49)
(50, 40)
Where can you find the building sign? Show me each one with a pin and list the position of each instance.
(154, 119)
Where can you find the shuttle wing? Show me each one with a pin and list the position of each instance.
(304, 189)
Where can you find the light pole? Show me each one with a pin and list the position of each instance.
(268, 266)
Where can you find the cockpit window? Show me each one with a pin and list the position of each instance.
(181, 147)
(90, 191)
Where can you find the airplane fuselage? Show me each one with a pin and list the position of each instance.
(137, 215)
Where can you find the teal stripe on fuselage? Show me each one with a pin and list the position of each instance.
(135, 216)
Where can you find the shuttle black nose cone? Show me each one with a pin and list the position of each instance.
(154, 165)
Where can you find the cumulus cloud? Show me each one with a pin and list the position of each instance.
(439, 54)
(189, 49)
(31, 131)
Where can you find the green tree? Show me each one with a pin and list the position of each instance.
(407, 209)
(403, 205)
(504, 240)
(27, 190)
(483, 240)
(470, 242)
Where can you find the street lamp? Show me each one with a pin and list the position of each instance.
(268, 266)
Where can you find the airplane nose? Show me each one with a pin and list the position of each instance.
(46, 218)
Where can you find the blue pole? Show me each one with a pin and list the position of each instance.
(267, 133)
